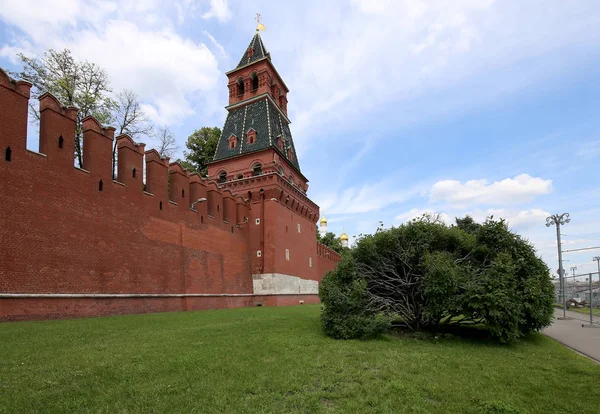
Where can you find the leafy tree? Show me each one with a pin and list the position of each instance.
(76, 83)
(201, 145)
(332, 241)
(348, 313)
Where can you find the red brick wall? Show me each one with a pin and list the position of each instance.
(60, 308)
(63, 233)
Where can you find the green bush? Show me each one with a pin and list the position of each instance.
(424, 275)
(347, 313)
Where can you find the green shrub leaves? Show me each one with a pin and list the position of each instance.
(425, 275)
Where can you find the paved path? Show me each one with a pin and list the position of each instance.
(572, 334)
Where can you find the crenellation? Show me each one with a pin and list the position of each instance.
(97, 148)
(130, 162)
(13, 114)
(157, 174)
(179, 185)
(57, 131)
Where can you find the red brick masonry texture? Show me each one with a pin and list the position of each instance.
(74, 242)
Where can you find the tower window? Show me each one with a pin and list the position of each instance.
(254, 81)
(133, 172)
(251, 136)
(8, 154)
(290, 155)
(298, 227)
(280, 171)
(222, 177)
(100, 186)
(287, 254)
(160, 205)
(60, 142)
(232, 142)
(240, 86)
(182, 193)
(280, 143)
(292, 179)
(257, 169)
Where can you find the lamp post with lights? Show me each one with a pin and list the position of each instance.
(558, 220)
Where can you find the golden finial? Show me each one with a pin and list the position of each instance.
(259, 26)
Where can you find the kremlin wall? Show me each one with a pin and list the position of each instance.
(77, 242)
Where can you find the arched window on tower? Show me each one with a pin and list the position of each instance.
(233, 142)
(280, 142)
(257, 169)
(254, 81)
(280, 171)
(222, 177)
(251, 136)
(240, 86)
(291, 179)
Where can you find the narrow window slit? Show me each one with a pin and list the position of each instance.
(100, 186)
(8, 154)
(60, 142)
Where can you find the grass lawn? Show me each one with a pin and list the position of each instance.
(277, 360)
(586, 311)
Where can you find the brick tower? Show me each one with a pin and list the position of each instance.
(256, 158)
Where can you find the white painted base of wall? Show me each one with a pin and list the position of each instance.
(280, 284)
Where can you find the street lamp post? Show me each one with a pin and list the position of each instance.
(558, 220)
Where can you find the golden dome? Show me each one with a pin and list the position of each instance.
(344, 236)
(323, 220)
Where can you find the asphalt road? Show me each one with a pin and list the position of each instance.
(584, 340)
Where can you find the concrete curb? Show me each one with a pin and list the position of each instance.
(574, 350)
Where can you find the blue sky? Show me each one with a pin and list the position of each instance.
(397, 107)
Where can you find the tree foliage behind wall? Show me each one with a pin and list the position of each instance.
(81, 84)
(86, 86)
(426, 275)
(332, 241)
(201, 145)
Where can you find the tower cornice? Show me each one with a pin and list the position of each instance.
(248, 101)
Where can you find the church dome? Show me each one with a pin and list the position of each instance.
(344, 236)
(323, 220)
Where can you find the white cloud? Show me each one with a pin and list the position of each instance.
(218, 9)
(416, 213)
(373, 53)
(160, 66)
(368, 197)
(517, 219)
(522, 188)
(139, 50)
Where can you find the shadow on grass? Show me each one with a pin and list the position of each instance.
(471, 334)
